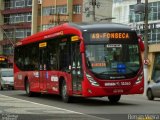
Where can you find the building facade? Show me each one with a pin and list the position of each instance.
(49, 13)
(15, 23)
(103, 11)
(123, 11)
(22, 18)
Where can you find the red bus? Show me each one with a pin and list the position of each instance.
(4, 62)
(87, 60)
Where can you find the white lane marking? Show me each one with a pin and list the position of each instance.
(55, 107)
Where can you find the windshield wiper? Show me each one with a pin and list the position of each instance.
(103, 73)
(107, 72)
(131, 70)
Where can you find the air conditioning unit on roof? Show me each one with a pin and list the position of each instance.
(39, 1)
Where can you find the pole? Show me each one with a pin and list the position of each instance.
(146, 47)
(8, 37)
(94, 7)
(58, 18)
(55, 3)
(41, 16)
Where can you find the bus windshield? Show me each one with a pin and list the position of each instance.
(106, 61)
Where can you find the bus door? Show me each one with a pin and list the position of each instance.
(76, 70)
(43, 66)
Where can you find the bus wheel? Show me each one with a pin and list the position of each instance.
(149, 94)
(27, 87)
(64, 94)
(114, 98)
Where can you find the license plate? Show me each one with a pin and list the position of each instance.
(118, 91)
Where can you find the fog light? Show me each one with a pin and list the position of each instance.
(90, 91)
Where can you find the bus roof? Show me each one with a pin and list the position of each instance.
(101, 26)
(72, 28)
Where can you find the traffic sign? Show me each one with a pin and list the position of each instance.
(146, 62)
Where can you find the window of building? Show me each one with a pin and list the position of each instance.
(29, 2)
(19, 18)
(8, 49)
(6, 19)
(11, 19)
(16, 18)
(29, 17)
(19, 4)
(46, 11)
(52, 10)
(47, 26)
(9, 34)
(154, 13)
(28, 32)
(158, 34)
(77, 9)
(7, 5)
(62, 9)
(19, 33)
(11, 4)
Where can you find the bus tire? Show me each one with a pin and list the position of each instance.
(114, 98)
(27, 88)
(64, 94)
(150, 94)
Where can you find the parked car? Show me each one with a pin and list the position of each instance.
(6, 78)
(153, 90)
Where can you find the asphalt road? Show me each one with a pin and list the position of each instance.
(48, 107)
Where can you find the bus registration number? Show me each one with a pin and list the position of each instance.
(125, 83)
(117, 83)
(118, 91)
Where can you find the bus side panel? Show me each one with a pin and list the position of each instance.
(53, 82)
(92, 91)
(19, 81)
(68, 79)
(137, 88)
(33, 78)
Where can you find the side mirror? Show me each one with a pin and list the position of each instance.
(141, 44)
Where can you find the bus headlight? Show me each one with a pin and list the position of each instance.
(91, 80)
(139, 78)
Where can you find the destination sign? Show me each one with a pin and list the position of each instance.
(103, 36)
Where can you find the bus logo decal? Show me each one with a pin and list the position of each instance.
(19, 77)
(47, 75)
(54, 35)
(36, 74)
(54, 78)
